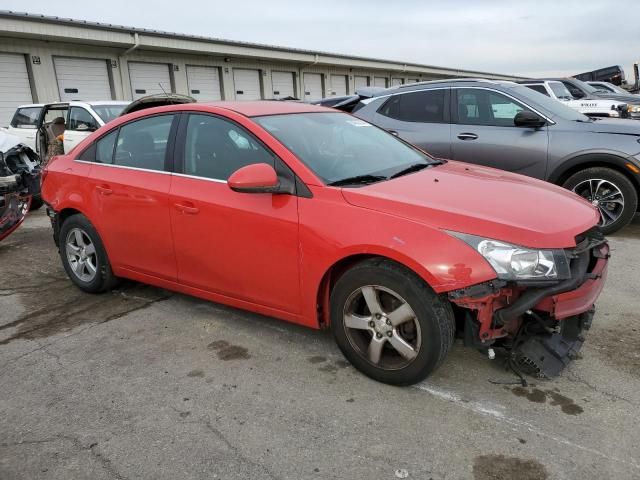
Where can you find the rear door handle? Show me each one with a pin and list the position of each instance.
(104, 189)
(468, 136)
(188, 208)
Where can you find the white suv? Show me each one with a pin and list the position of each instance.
(592, 106)
(74, 120)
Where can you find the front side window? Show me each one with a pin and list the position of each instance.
(560, 90)
(337, 146)
(81, 120)
(143, 143)
(215, 148)
(26, 117)
(425, 106)
(486, 107)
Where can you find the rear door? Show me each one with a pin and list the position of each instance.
(483, 132)
(79, 126)
(240, 245)
(130, 180)
(419, 117)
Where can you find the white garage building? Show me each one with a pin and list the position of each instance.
(44, 59)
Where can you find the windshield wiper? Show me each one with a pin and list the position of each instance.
(358, 180)
(416, 167)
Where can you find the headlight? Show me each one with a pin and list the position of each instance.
(512, 262)
(633, 108)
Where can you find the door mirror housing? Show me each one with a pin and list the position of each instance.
(528, 119)
(256, 178)
(83, 127)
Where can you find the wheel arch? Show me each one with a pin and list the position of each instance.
(582, 162)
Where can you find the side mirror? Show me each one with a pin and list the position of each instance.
(577, 93)
(83, 127)
(256, 178)
(528, 119)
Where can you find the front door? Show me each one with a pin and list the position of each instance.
(483, 132)
(241, 245)
(79, 126)
(130, 183)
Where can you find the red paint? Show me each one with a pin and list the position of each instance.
(273, 253)
(253, 176)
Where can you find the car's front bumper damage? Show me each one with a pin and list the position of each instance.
(539, 325)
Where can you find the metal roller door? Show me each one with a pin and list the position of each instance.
(282, 84)
(14, 85)
(338, 85)
(82, 79)
(360, 82)
(312, 86)
(247, 84)
(396, 81)
(149, 78)
(380, 82)
(204, 83)
(412, 80)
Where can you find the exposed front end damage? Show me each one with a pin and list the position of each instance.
(539, 325)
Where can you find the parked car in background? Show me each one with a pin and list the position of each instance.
(511, 127)
(580, 89)
(314, 216)
(591, 106)
(611, 88)
(613, 74)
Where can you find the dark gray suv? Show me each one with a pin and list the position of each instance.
(511, 127)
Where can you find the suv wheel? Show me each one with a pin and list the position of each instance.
(389, 324)
(610, 191)
(83, 255)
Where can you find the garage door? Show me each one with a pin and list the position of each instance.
(14, 85)
(396, 81)
(412, 80)
(312, 86)
(82, 79)
(149, 78)
(338, 85)
(204, 83)
(247, 84)
(380, 82)
(282, 83)
(361, 81)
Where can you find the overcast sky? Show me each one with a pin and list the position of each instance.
(536, 37)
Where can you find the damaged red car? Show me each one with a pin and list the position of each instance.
(318, 218)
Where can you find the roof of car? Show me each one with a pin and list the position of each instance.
(267, 107)
(76, 103)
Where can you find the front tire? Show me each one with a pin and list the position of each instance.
(389, 324)
(83, 255)
(610, 191)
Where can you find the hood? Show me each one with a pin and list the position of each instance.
(634, 99)
(8, 141)
(482, 201)
(621, 126)
(157, 100)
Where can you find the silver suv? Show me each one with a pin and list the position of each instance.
(511, 127)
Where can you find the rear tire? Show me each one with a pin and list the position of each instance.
(389, 324)
(616, 196)
(83, 255)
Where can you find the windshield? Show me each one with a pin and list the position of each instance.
(560, 90)
(108, 112)
(552, 107)
(584, 86)
(612, 88)
(337, 146)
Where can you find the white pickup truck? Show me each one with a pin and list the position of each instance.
(591, 106)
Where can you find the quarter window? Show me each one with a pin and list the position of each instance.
(26, 117)
(215, 148)
(539, 89)
(485, 107)
(425, 106)
(143, 143)
(104, 147)
(81, 120)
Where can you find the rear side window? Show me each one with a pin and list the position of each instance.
(426, 106)
(539, 89)
(143, 143)
(215, 148)
(26, 117)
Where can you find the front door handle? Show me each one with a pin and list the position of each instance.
(188, 208)
(104, 189)
(468, 136)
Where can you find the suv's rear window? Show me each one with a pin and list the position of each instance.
(26, 117)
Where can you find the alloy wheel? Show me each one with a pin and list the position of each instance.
(81, 254)
(382, 327)
(604, 195)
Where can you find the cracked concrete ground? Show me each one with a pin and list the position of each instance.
(144, 383)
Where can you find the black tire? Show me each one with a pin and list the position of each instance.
(433, 314)
(576, 182)
(36, 203)
(103, 279)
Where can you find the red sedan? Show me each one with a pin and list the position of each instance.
(319, 218)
